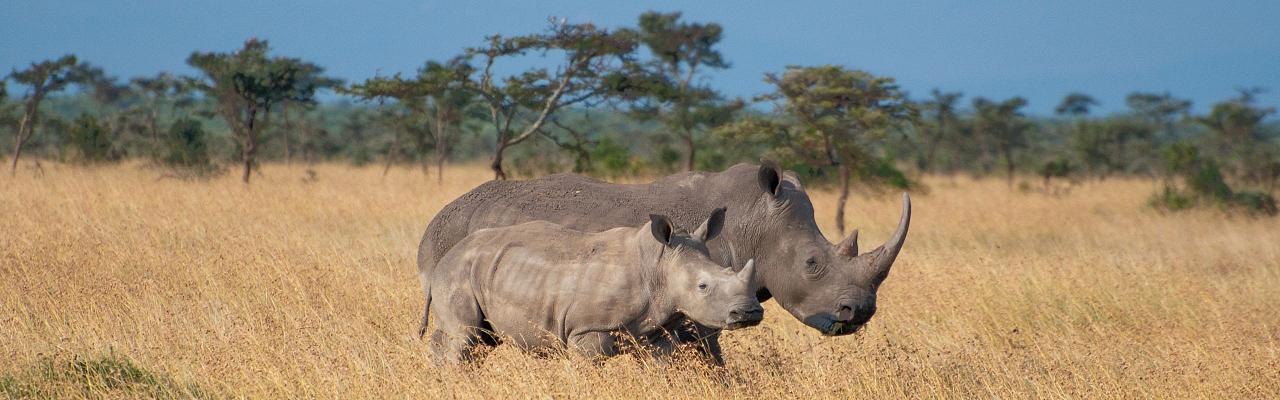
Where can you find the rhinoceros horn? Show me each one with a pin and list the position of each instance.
(748, 272)
(874, 265)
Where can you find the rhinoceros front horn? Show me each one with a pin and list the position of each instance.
(874, 265)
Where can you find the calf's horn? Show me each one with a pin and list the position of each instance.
(748, 271)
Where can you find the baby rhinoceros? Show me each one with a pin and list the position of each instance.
(543, 286)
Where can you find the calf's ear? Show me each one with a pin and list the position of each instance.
(661, 228)
(711, 227)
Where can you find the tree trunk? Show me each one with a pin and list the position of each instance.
(929, 155)
(692, 150)
(424, 160)
(248, 164)
(391, 154)
(250, 145)
(1009, 174)
(155, 132)
(441, 150)
(288, 159)
(583, 163)
(439, 167)
(1008, 163)
(17, 152)
(440, 142)
(20, 140)
(844, 196)
(496, 162)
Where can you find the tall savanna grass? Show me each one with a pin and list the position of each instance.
(295, 287)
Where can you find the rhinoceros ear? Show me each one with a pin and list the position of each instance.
(661, 227)
(711, 227)
(770, 177)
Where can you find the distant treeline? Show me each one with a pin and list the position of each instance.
(614, 102)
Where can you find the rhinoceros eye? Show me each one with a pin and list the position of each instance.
(702, 286)
(812, 268)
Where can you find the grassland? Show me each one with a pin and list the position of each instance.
(291, 288)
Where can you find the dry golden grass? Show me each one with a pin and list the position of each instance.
(294, 289)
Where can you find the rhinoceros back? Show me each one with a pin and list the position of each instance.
(572, 201)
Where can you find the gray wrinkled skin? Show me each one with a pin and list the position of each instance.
(830, 287)
(539, 286)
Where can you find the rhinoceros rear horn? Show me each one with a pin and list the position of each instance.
(849, 246)
(877, 262)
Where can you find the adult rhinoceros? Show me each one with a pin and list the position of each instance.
(831, 288)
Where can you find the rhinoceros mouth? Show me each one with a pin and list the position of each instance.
(741, 324)
(841, 328)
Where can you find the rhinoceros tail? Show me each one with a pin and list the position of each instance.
(426, 312)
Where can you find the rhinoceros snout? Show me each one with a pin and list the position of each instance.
(743, 317)
(849, 318)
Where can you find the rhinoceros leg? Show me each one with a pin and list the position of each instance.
(460, 327)
(449, 349)
(596, 346)
(706, 341)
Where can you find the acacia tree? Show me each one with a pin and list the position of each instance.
(404, 93)
(1075, 105)
(309, 77)
(520, 104)
(665, 88)
(448, 97)
(943, 109)
(1160, 109)
(832, 116)
(111, 98)
(578, 143)
(1085, 138)
(438, 97)
(154, 91)
(246, 84)
(41, 79)
(4, 102)
(1237, 126)
(1004, 127)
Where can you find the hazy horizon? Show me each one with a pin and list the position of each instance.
(1197, 50)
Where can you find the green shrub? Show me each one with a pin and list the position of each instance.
(1205, 184)
(612, 159)
(668, 159)
(1171, 199)
(1207, 180)
(91, 141)
(1057, 168)
(105, 376)
(882, 171)
(1255, 202)
(187, 148)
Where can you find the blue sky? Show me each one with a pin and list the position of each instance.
(1201, 50)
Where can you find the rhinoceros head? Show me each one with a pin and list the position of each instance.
(699, 288)
(830, 287)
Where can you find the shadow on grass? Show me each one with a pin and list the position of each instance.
(105, 376)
